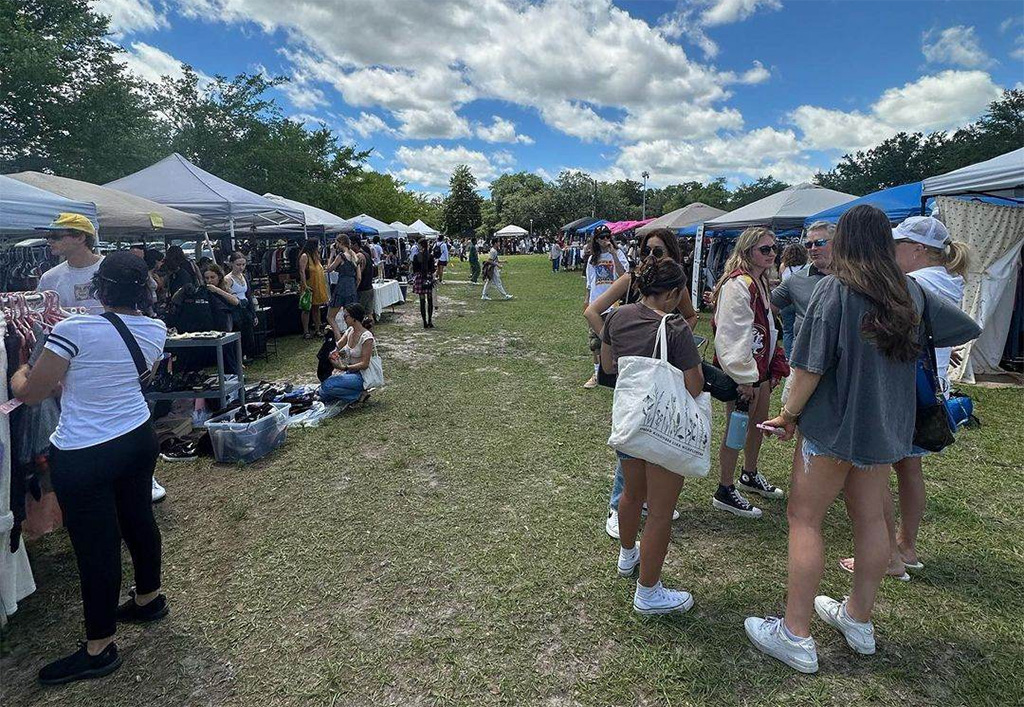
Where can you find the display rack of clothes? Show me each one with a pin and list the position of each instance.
(22, 265)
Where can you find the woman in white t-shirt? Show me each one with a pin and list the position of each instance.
(355, 361)
(604, 266)
(104, 452)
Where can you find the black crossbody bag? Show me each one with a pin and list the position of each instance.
(145, 373)
(932, 430)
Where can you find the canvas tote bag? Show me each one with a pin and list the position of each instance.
(654, 418)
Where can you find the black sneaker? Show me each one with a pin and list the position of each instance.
(756, 483)
(729, 499)
(131, 613)
(81, 666)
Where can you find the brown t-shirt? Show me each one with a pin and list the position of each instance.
(632, 329)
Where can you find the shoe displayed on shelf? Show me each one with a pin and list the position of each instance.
(756, 483)
(730, 500)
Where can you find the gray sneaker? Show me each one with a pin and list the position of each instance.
(860, 636)
(769, 637)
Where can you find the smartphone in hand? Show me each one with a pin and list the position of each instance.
(777, 431)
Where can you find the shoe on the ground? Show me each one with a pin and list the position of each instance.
(629, 560)
(591, 382)
(769, 637)
(729, 499)
(859, 636)
(485, 297)
(659, 600)
(643, 512)
(81, 666)
(159, 492)
(611, 525)
(508, 296)
(131, 613)
(756, 483)
(177, 449)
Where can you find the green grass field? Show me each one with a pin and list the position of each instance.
(445, 545)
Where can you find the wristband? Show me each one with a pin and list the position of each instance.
(789, 416)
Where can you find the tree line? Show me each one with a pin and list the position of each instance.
(68, 106)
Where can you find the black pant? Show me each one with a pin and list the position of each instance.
(105, 492)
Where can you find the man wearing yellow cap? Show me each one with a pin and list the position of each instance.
(72, 237)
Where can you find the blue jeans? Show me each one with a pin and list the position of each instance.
(617, 485)
(554, 264)
(788, 319)
(344, 387)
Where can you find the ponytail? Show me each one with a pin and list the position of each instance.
(956, 258)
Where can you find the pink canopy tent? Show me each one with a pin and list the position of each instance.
(617, 227)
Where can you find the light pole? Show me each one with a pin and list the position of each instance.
(531, 229)
(646, 176)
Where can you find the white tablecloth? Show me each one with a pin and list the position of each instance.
(385, 294)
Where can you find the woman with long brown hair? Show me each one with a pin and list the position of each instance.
(854, 398)
(312, 277)
(660, 244)
(749, 350)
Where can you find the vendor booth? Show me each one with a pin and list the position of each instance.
(689, 215)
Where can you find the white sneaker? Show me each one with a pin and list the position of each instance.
(860, 636)
(591, 382)
(768, 636)
(675, 513)
(611, 526)
(651, 601)
(629, 560)
(159, 492)
(508, 296)
(486, 298)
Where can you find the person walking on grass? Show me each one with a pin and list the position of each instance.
(605, 265)
(632, 330)
(748, 349)
(926, 252)
(854, 399)
(492, 274)
(659, 243)
(104, 453)
(474, 262)
(442, 258)
(423, 269)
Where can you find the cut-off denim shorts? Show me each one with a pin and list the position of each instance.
(810, 449)
(623, 455)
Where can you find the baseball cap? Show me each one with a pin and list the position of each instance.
(70, 222)
(124, 268)
(925, 230)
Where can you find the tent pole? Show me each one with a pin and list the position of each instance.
(696, 291)
(231, 233)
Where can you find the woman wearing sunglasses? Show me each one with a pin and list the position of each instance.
(748, 349)
(659, 244)
(605, 264)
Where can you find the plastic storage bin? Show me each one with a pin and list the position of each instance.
(246, 442)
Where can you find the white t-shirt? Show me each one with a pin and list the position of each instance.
(938, 280)
(72, 285)
(101, 399)
(601, 276)
(493, 255)
(556, 251)
(354, 354)
(378, 252)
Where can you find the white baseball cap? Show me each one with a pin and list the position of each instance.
(925, 230)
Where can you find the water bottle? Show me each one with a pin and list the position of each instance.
(738, 422)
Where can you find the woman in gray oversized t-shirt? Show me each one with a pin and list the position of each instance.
(854, 399)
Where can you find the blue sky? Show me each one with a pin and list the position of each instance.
(688, 89)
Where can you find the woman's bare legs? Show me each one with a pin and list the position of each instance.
(910, 478)
(663, 489)
(634, 493)
(866, 493)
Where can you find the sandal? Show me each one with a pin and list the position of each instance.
(905, 577)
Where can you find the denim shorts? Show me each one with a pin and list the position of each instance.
(623, 455)
(810, 449)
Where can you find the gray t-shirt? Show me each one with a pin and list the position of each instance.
(796, 290)
(865, 404)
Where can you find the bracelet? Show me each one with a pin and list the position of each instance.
(789, 416)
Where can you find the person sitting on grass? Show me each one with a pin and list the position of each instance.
(632, 330)
(353, 360)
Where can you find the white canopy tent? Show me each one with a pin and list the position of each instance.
(383, 230)
(314, 216)
(24, 208)
(220, 204)
(511, 230)
(999, 176)
(681, 218)
(782, 211)
(423, 229)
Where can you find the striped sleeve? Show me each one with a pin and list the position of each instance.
(62, 340)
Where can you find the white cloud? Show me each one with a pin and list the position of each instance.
(151, 63)
(501, 130)
(367, 124)
(425, 124)
(680, 123)
(941, 102)
(954, 46)
(722, 12)
(432, 165)
(578, 120)
(302, 95)
(128, 16)
(1018, 51)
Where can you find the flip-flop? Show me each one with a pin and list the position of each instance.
(905, 577)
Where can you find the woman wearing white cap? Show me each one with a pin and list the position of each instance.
(926, 252)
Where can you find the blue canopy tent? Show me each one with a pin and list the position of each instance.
(898, 203)
(589, 229)
(23, 207)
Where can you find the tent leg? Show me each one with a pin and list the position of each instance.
(231, 234)
(697, 289)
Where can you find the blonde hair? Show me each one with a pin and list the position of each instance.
(739, 259)
(955, 257)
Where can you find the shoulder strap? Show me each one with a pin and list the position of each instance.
(928, 335)
(129, 341)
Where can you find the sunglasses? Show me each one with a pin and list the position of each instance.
(657, 251)
(766, 249)
(56, 236)
(819, 243)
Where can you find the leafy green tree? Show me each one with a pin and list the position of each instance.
(714, 193)
(66, 104)
(462, 205)
(755, 191)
